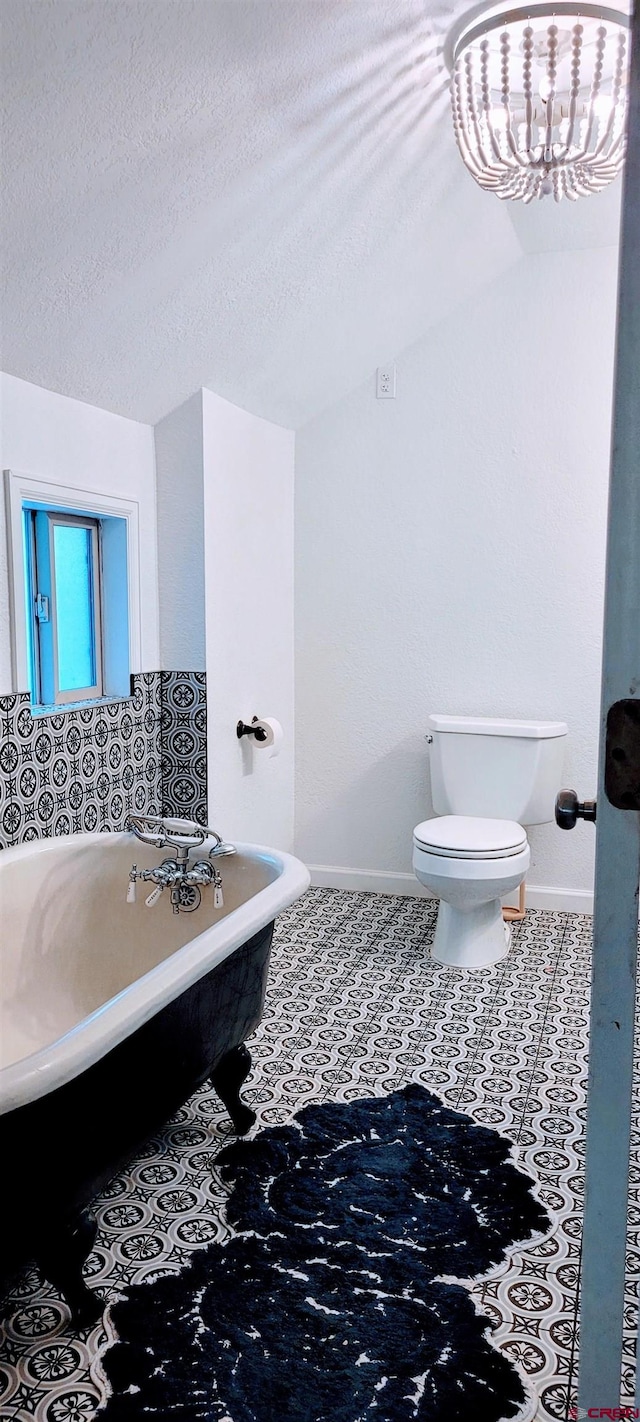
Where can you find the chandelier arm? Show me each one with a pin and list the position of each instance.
(460, 129)
(615, 155)
(520, 160)
(576, 54)
(492, 176)
(552, 37)
(486, 97)
(481, 159)
(471, 105)
(595, 90)
(608, 165)
(620, 146)
(572, 187)
(526, 75)
(459, 119)
(615, 95)
(471, 161)
(592, 170)
(614, 159)
(499, 181)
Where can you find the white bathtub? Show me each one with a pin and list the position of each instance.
(111, 1015)
(81, 969)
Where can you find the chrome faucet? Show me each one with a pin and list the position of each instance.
(184, 880)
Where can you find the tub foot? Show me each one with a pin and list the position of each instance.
(227, 1078)
(61, 1261)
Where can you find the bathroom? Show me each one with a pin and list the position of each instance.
(304, 550)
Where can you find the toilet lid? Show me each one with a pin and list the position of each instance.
(469, 837)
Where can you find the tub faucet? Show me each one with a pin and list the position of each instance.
(184, 880)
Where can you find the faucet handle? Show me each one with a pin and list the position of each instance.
(184, 831)
(178, 834)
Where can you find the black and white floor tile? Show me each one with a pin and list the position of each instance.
(356, 1007)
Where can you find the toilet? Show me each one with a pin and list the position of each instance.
(489, 778)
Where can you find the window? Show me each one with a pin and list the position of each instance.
(74, 579)
(64, 600)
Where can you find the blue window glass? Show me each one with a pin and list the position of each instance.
(76, 605)
(75, 630)
(28, 591)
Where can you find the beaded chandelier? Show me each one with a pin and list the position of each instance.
(539, 98)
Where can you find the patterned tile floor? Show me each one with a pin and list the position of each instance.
(356, 1007)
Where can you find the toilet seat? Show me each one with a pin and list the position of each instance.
(470, 864)
(470, 837)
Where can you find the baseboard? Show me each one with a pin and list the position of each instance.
(542, 896)
(376, 881)
(381, 881)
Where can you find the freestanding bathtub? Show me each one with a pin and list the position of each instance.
(111, 1014)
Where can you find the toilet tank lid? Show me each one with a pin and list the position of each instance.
(493, 726)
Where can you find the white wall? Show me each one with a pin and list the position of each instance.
(54, 438)
(248, 536)
(450, 556)
(179, 481)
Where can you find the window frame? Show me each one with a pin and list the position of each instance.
(44, 654)
(21, 489)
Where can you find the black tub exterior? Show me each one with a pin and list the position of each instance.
(61, 1149)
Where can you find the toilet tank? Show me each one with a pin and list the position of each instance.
(506, 770)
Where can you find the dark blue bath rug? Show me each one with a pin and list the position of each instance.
(328, 1303)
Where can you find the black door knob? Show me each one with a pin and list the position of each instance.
(569, 809)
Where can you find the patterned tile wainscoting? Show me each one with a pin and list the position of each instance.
(85, 768)
(183, 744)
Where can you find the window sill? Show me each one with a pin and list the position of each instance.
(58, 710)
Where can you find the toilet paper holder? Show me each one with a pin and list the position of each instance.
(242, 729)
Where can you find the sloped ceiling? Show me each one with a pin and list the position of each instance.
(260, 196)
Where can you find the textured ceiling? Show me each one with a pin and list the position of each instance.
(260, 196)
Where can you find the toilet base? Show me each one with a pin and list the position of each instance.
(471, 938)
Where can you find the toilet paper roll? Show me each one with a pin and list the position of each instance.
(274, 735)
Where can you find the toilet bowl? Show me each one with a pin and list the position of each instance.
(470, 864)
(489, 777)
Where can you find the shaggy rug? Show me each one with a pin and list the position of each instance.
(330, 1303)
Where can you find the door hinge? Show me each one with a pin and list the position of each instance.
(622, 755)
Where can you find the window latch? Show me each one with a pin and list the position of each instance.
(42, 607)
